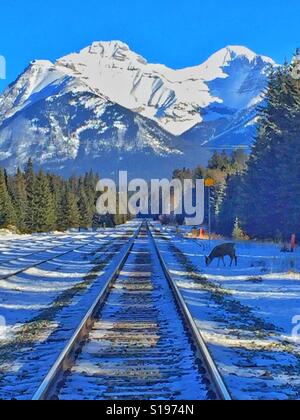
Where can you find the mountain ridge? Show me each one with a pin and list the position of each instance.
(114, 100)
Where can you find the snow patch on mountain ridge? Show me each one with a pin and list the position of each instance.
(172, 98)
(175, 99)
(107, 105)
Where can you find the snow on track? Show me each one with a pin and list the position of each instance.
(15, 257)
(139, 348)
(42, 306)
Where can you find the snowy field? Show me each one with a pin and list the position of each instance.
(47, 283)
(245, 313)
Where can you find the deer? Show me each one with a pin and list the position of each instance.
(222, 251)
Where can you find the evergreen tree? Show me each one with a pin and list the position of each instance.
(72, 215)
(230, 206)
(19, 195)
(44, 204)
(86, 210)
(7, 213)
(30, 191)
(237, 233)
(199, 173)
(239, 160)
(183, 174)
(220, 161)
(57, 188)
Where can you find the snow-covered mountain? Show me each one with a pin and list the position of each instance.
(106, 107)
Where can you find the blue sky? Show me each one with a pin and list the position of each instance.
(176, 33)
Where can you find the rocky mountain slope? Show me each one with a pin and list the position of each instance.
(107, 108)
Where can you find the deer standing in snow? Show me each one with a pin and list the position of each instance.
(221, 252)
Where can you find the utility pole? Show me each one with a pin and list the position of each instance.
(209, 183)
(209, 216)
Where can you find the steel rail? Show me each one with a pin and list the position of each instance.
(215, 376)
(47, 249)
(48, 388)
(37, 264)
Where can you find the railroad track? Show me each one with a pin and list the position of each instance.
(17, 249)
(59, 319)
(59, 254)
(35, 253)
(137, 341)
(6, 260)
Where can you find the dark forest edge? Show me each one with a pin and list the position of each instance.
(265, 197)
(37, 202)
(259, 197)
(43, 202)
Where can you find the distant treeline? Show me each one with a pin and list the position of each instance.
(42, 202)
(221, 167)
(261, 196)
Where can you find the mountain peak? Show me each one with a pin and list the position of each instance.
(240, 50)
(217, 65)
(107, 51)
(110, 44)
(232, 52)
